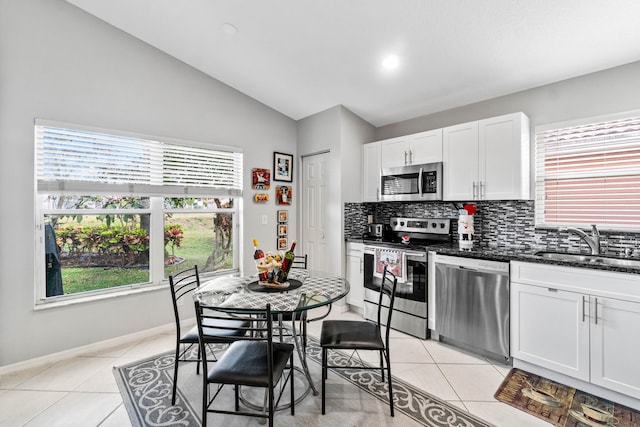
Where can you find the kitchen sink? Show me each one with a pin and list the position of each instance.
(594, 259)
(563, 256)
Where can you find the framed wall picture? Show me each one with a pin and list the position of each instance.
(283, 195)
(282, 167)
(260, 179)
(282, 230)
(283, 216)
(283, 245)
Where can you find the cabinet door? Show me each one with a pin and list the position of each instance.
(615, 346)
(355, 276)
(460, 157)
(394, 152)
(503, 157)
(550, 328)
(371, 172)
(425, 147)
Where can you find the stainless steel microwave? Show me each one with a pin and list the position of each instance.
(411, 183)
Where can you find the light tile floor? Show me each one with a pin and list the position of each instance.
(81, 391)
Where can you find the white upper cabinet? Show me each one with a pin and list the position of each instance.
(460, 157)
(371, 172)
(415, 149)
(487, 159)
(503, 154)
(394, 152)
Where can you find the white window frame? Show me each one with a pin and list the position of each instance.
(180, 183)
(568, 130)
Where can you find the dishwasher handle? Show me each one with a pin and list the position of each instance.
(477, 269)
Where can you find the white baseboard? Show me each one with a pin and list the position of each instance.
(93, 347)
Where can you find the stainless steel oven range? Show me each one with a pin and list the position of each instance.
(403, 248)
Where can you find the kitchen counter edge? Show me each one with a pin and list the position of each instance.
(507, 254)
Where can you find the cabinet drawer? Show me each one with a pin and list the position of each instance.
(598, 282)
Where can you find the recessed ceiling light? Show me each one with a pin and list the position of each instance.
(390, 62)
(229, 29)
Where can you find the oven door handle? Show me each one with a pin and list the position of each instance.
(420, 182)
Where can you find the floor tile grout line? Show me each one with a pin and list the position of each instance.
(110, 414)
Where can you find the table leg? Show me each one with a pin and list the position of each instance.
(302, 353)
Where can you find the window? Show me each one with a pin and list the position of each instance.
(122, 211)
(589, 173)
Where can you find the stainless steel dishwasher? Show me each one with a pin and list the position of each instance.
(472, 304)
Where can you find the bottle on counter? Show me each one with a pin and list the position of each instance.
(261, 262)
(287, 262)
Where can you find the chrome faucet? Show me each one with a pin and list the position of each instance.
(593, 241)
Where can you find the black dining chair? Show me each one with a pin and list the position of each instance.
(300, 261)
(182, 284)
(254, 360)
(361, 335)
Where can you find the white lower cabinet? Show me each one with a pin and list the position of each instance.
(550, 330)
(615, 347)
(355, 274)
(564, 319)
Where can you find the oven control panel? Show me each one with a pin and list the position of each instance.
(421, 225)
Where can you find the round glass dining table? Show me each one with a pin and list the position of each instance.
(307, 290)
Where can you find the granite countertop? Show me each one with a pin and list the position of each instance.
(517, 253)
(524, 254)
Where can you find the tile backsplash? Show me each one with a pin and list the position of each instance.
(502, 223)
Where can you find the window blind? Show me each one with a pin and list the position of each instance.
(589, 174)
(76, 160)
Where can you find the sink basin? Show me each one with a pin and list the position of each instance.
(594, 259)
(622, 262)
(564, 256)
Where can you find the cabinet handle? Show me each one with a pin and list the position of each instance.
(595, 313)
(475, 186)
(361, 265)
(584, 315)
(405, 158)
(481, 196)
(410, 157)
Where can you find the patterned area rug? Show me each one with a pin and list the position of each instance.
(561, 405)
(354, 397)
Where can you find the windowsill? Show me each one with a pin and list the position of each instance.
(69, 301)
(118, 293)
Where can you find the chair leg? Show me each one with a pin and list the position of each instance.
(324, 375)
(199, 360)
(293, 395)
(304, 333)
(205, 400)
(390, 384)
(236, 393)
(270, 406)
(381, 365)
(175, 375)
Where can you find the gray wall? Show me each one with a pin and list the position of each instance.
(609, 91)
(342, 132)
(59, 63)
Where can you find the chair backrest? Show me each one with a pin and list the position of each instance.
(247, 325)
(300, 261)
(388, 288)
(182, 284)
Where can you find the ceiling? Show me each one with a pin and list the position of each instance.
(301, 57)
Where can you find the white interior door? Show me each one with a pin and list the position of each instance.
(315, 185)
